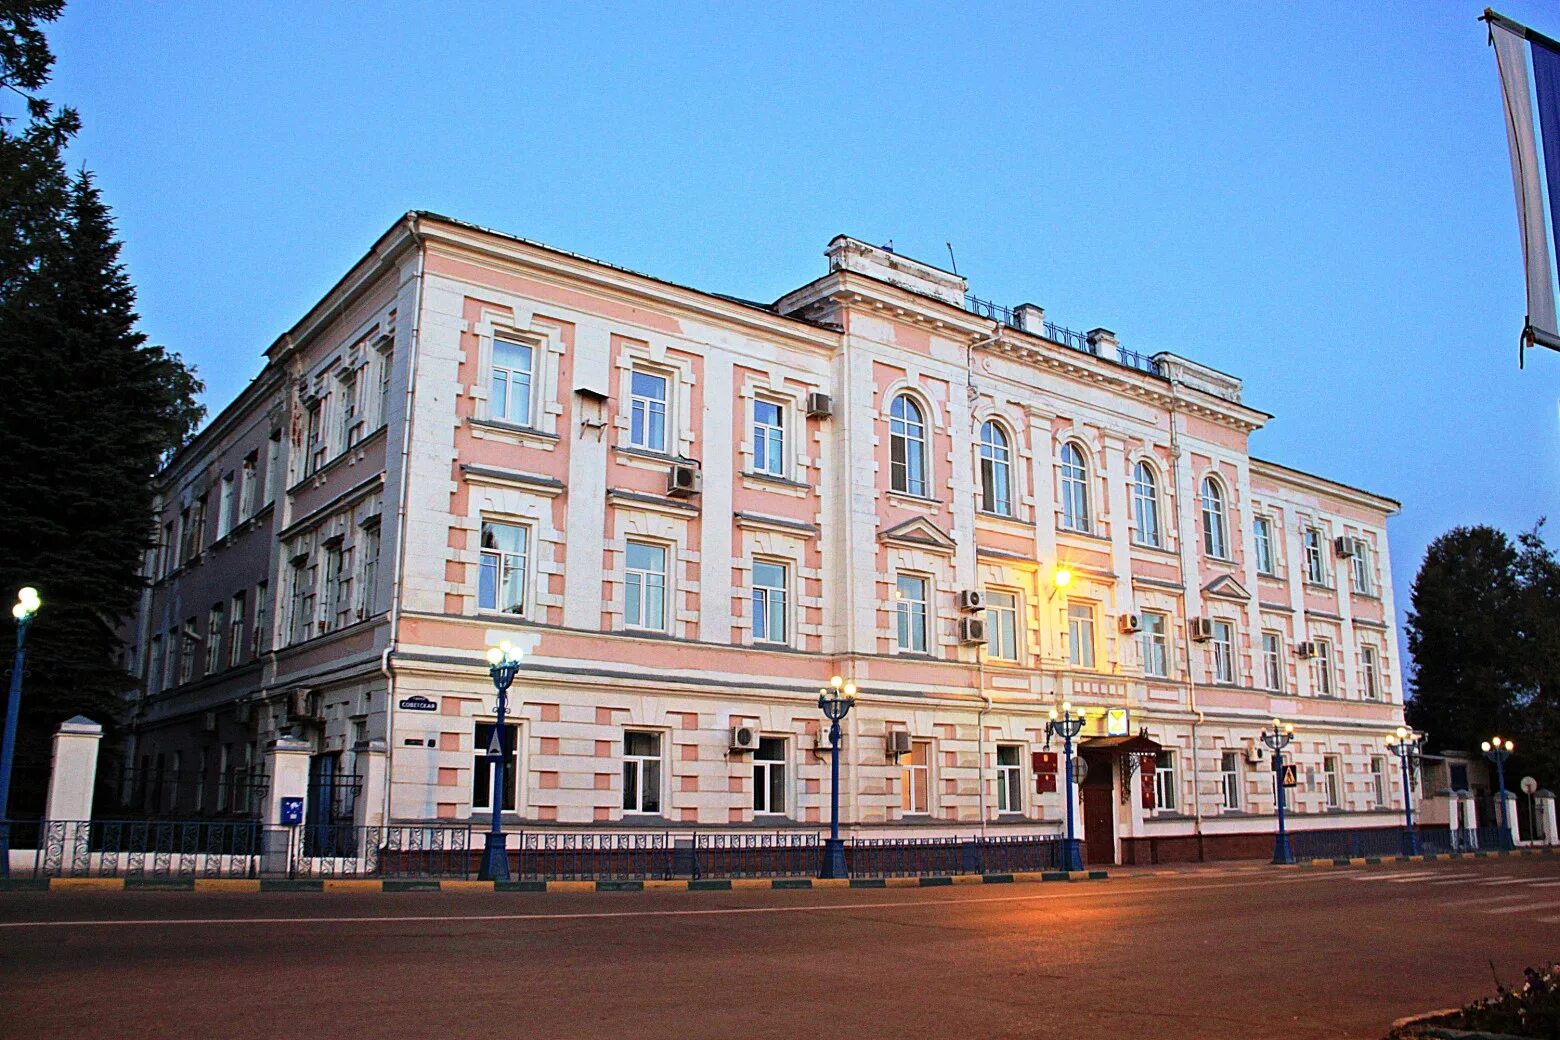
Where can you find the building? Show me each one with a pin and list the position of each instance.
(692, 510)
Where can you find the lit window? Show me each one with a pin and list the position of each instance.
(907, 447)
(1262, 542)
(769, 602)
(512, 379)
(910, 610)
(1010, 778)
(1075, 489)
(1229, 780)
(641, 772)
(647, 404)
(1145, 505)
(1215, 533)
(1155, 645)
(915, 779)
(644, 581)
(1002, 625)
(1273, 661)
(769, 437)
(482, 766)
(996, 470)
(1080, 635)
(1164, 781)
(502, 572)
(769, 776)
(1315, 564)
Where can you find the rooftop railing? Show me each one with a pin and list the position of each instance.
(1067, 337)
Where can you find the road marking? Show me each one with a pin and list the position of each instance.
(1449, 879)
(1545, 884)
(1522, 908)
(1486, 901)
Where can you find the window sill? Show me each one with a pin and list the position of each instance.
(510, 427)
(910, 497)
(771, 478)
(647, 453)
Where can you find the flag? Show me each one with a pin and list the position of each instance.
(1529, 64)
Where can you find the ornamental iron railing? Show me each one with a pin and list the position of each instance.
(910, 857)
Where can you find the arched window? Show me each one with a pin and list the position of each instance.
(996, 470)
(1216, 541)
(907, 447)
(1075, 489)
(1145, 505)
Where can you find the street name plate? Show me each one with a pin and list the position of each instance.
(417, 702)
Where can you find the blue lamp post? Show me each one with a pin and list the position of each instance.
(1277, 739)
(835, 701)
(1497, 751)
(27, 603)
(503, 663)
(1405, 743)
(1068, 726)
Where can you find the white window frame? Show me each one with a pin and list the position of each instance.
(263, 633)
(349, 429)
(1323, 673)
(501, 564)
(1003, 609)
(300, 609)
(1230, 780)
(385, 367)
(644, 579)
(1370, 672)
(1223, 646)
(1010, 779)
(1215, 518)
(1081, 634)
(1273, 660)
(1154, 644)
(227, 502)
(504, 405)
(1315, 557)
(912, 613)
(908, 771)
(1378, 779)
(188, 637)
(248, 485)
(911, 473)
(769, 447)
(636, 763)
(216, 628)
(767, 599)
(1166, 782)
(1262, 545)
(996, 469)
(316, 441)
(368, 569)
(236, 630)
(1074, 480)
(1332, 775)
(767, 785)
(1145, 506)
(1359, 568)
(644, 408)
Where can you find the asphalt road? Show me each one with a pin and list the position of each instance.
(1234, 952)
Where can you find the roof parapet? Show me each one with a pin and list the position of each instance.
(881, 262)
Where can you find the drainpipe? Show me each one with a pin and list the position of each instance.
(980, 746)
(1186, 631)
(980, 653)
(386, 659)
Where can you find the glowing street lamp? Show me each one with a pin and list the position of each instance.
(503, 663)
(1405, 743)
(1277, 739)
(27, 604)
(1068, 725)
(1497, 751)
(835, 701)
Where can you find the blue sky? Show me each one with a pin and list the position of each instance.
(1317, 199)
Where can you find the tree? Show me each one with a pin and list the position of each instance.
(90, 413)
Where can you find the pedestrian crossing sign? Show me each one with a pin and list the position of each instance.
(1291, 775)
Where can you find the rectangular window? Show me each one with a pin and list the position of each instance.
(226, 503)
(214, 630)
(513, 371)
(248, 486)
(1165, 784)
(644, 586)
(482, 766)
(1359, 567)
(1370, 673)
(1262, 540)
(910, 611)
(648, 396)
(1315, 561)
(1002, 625)
(340, 605)
(1378, 780)
(236, 630)
(273, 466)
(194, 519)
(1010, 778)
(769, 777)
(769, 437)
(1332, 767)
(501, 576)
(154, 666)
(300, 622)
(641, 772)
(915, 779)
(1223, 652)
(769, 602)
(350, 430)
(1080, 635)
(369, 572)
(170, 658)
(1322, 668)
(262, 641)
(187, 640)
(1273, 661)
(314, 446)
(333, 569)
(1229, 780)
(386, 367)
(1155, 645)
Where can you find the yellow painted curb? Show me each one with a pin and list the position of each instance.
(831, 882)
(465, 886)
(663, 883)
(902, 882)
(964, 879)
(227, 884)
(95, 884)
(571, 886)
(1356, 861)
(1321, 863)
(351, 885)
(1035, 876)
(750, 882)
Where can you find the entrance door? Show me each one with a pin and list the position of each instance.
(1098, 792)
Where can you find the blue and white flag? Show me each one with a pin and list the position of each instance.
(1529, 65)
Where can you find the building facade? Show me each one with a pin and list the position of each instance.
(690, 511)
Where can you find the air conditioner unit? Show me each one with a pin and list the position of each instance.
(823, 745)
(896, 742)
(1202, 629)
(972, 630)
(683, 480)
(744, 738)
(1253, 753)
(208, 722)
(819, 406)
(1344, 546)
(1130, 623)
(1308, 650)
(972, 599)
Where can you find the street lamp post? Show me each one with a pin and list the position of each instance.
(503, 663)
(1497, 751)
(27, 603)
(835, 701)
(1067, 726)
(1277, 739)
(1406, 743)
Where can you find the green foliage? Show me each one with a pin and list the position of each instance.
(1532, 1009)
(91, 409)
(1484, 634)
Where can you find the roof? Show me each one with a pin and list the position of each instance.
(1394, 503)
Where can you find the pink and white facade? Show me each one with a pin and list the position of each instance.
(475, 438)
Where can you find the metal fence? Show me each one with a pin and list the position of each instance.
(909, 857)
(151, 848)
(393, 851)
(1482, 839)
(1346, 844)
(756, 855)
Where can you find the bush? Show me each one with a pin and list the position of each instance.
(1531, 1010)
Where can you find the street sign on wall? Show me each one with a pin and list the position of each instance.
(1291, 775)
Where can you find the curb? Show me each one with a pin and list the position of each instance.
(1363, 861)
(143, 884)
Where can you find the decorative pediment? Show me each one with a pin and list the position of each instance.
(1226, 587)
(919, 533)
